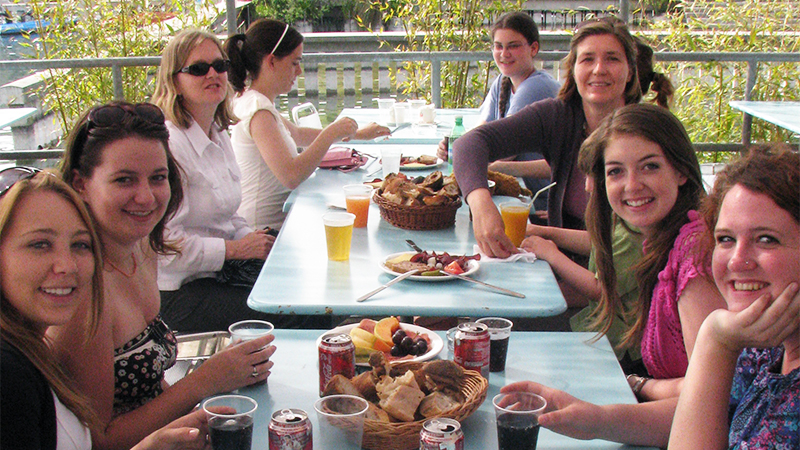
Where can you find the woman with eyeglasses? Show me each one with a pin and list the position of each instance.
(51, 274)
(265, 61)
(205, 287)
(117, 158)
(515, 44)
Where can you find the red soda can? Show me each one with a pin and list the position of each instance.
(437, 434)
(290, 429)
(471, 350)
(337, 355)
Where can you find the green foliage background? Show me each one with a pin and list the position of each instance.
(103, 29)
(704, 89)
(446, 25)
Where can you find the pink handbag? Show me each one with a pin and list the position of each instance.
(343, 158)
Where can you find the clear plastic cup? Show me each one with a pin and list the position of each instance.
(338, 234)
(231, 429)
(357, 197)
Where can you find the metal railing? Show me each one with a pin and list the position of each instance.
(313, 61)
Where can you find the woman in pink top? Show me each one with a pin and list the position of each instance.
(646, 175)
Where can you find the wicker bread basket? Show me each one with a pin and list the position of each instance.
(405, 435)
(417, 217)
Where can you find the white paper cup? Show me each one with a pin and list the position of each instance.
(401, 113)
(385, 110)
(390, 160)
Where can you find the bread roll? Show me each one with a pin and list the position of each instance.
(402, 403)
(437, 404)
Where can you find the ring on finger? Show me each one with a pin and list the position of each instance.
(254, 374)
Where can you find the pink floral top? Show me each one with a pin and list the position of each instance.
(663, 351)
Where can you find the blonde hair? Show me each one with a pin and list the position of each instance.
(20, 331)
(173, 60)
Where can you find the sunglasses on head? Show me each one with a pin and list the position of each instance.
(10, 176)
(201, 68)
(109, 115)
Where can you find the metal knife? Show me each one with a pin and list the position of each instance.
(401, 277)
(413, 245)
(491, 286)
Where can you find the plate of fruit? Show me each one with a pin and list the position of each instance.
(431, 264)
(398, 341)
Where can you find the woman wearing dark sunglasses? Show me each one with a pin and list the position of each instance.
(192, 90)
(265, 61)
(51, 274)
(117, 158)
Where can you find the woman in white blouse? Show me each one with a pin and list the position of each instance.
(192, 90)
(264, 64)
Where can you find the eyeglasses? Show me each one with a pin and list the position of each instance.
(109, 115)
(10, 176)
(200, 69)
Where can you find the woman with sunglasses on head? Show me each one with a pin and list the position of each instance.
(50, 273)
(265, 61)
(117, 158)
(205, 287)
(742, 388)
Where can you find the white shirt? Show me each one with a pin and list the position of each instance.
(263, 195)
(207, 216)
(71, 434)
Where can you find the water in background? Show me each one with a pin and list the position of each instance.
(11, 49)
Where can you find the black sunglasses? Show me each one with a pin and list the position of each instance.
(110, 115)
(10, 176)
(201, 69)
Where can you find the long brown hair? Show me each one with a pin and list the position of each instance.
(597, 27)
(21, 332)
(174, 58)
(84, 152)
(657, 125)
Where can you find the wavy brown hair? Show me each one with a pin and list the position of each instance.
(20, 331)
(84, 152)
(174, 58)
(657, 125)
(770, 169)
(598, 27)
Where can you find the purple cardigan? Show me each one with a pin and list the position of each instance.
(550, 127)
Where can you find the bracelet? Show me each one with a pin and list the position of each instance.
(638, 383)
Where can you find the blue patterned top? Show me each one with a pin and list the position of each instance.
(765, 405)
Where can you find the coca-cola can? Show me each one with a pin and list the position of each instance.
(471, 350)
(337, 355)
(290, 429)
(437, 434)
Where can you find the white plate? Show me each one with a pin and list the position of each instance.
(472, 267)
(434, 348)
(418, 166)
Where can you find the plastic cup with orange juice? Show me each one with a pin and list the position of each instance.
(338, 234)
(357, 198)
(515, 220)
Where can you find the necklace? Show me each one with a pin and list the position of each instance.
(133, 272)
